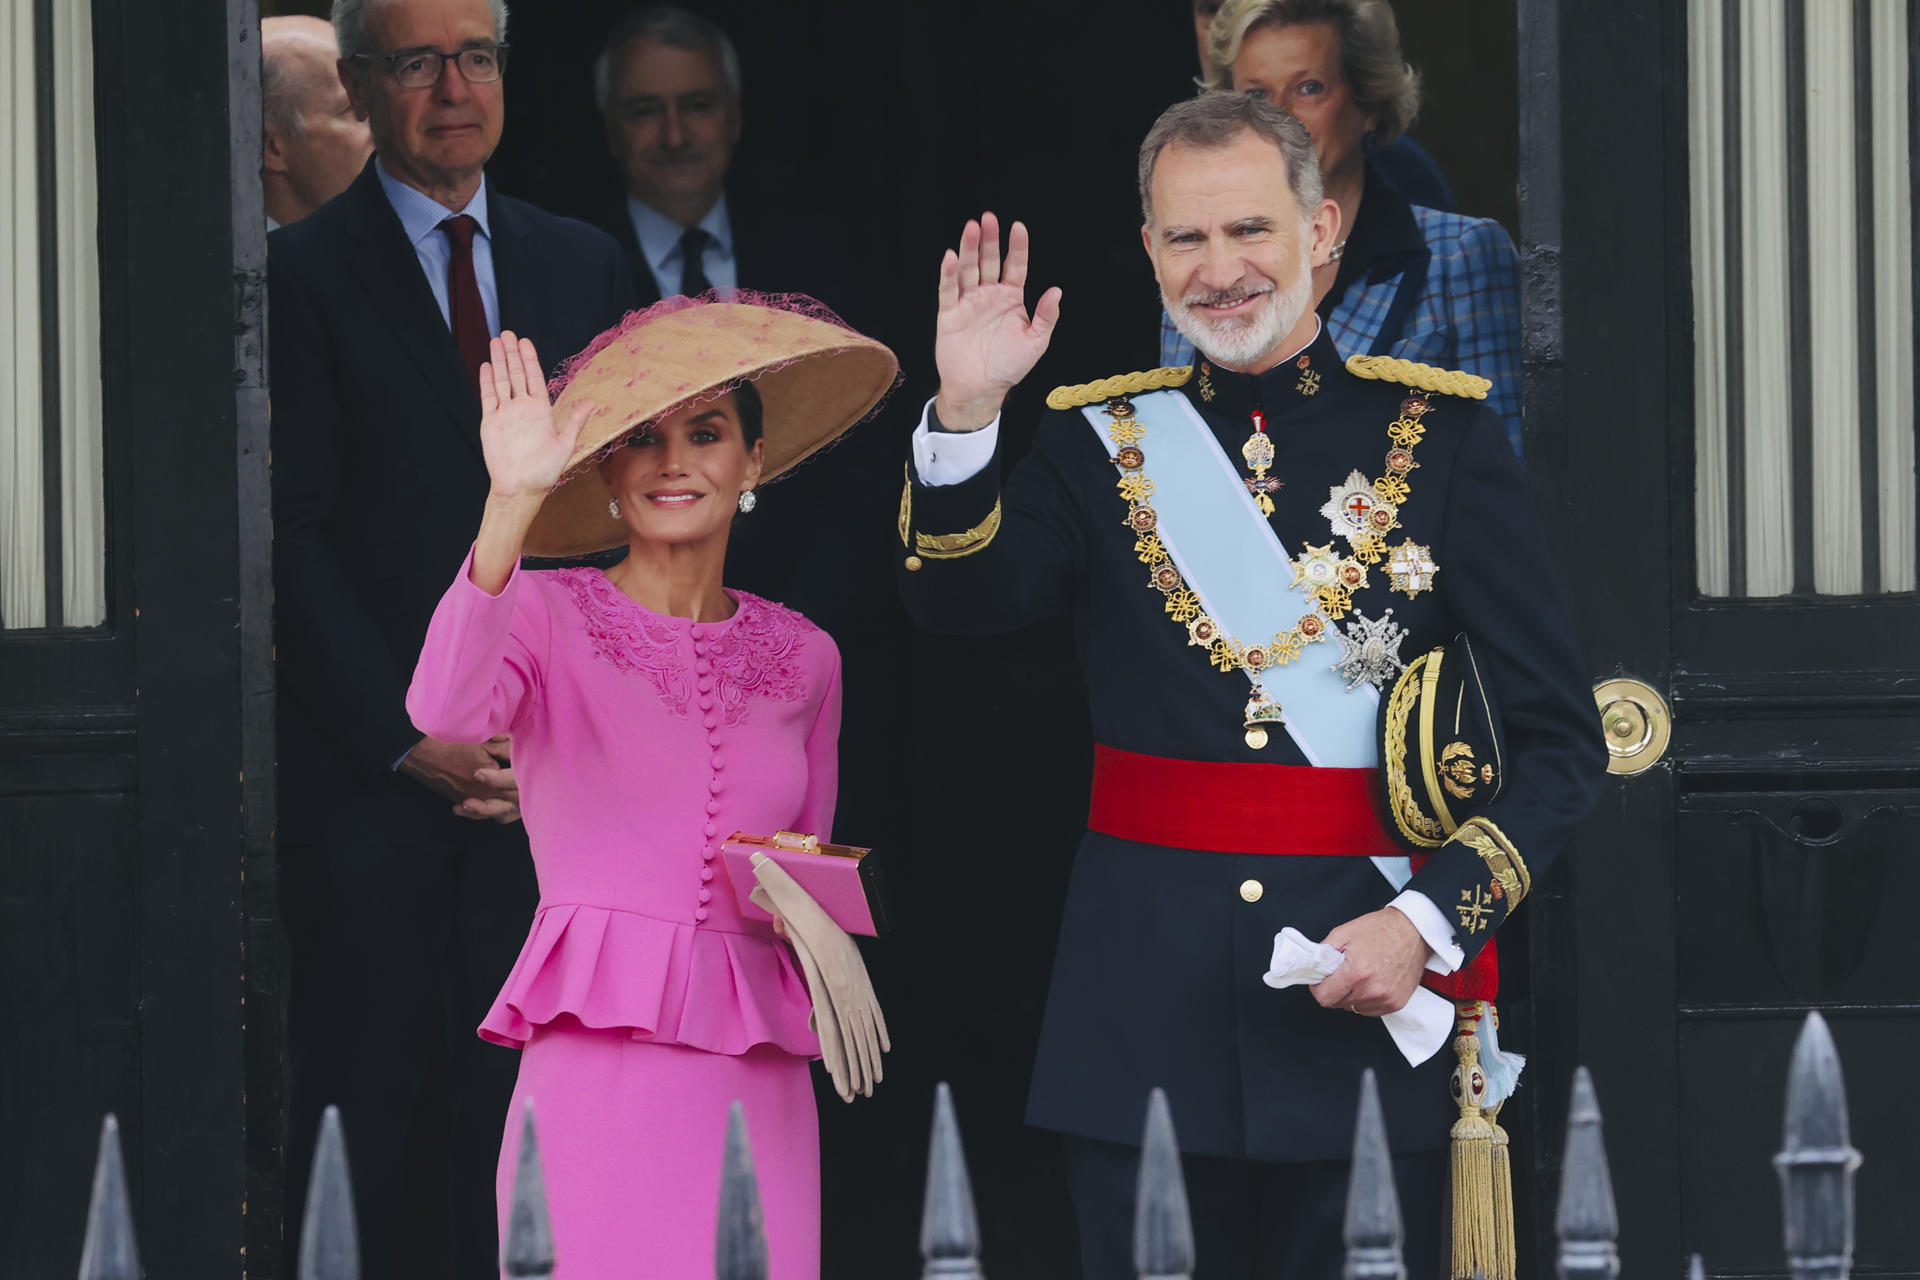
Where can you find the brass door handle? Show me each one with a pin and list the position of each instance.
(1636, 724)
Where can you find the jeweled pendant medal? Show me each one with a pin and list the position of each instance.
(1261, 713)
(1258, 451)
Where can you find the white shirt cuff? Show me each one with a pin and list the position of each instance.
(1433, 928)
(949, 457)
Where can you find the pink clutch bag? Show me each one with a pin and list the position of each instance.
(843, 880)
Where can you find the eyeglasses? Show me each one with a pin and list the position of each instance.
(421, 68)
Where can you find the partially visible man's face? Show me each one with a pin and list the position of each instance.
(333, 143)
(671, 123)
(1233, 256)
(444, 134)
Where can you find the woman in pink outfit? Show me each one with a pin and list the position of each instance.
(652, 713)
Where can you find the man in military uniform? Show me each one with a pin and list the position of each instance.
(1251, 550)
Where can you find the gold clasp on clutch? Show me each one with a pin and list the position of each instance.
(794, 840)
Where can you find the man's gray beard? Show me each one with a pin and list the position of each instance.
(1244, 342)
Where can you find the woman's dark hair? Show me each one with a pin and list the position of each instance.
(751, 410)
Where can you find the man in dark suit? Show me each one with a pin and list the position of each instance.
(669, 89)
(407, 883)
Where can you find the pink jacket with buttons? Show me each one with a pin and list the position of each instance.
(640, 743)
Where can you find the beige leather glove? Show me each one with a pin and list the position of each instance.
(847, 1071)
(845, 989)
(833, 1047)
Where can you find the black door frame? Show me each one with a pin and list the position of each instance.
(1598, 191)
(163, 711)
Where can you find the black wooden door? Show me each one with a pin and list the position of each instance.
(1719, 398)
(135, 742)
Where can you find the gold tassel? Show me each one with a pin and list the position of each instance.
(1475, 1255)
(1506, 1262)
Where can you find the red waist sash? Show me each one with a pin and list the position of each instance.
(1230, 807)
(1235, 807)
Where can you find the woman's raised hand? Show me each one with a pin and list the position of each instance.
(526, 450)
(985, 343)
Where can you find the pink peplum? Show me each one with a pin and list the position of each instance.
(640, 743)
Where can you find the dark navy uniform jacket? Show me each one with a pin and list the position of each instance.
(1157, 980)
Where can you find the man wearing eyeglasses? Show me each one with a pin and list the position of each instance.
(407, 888)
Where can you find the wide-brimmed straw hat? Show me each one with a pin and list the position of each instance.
(816, 377)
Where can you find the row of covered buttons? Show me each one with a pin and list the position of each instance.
(710, 846)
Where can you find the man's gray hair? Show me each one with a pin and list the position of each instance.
(287, 80)
(674, 27)
(350, 24)
(1214, 120)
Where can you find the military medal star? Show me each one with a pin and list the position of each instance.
(1354, 508)
(1370, 651)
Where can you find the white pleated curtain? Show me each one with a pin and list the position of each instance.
(1858, 353)
(73, 381)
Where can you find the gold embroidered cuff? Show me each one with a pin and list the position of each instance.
(952, 546)
(1503, 861)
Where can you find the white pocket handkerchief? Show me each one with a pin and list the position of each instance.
(1418, 1030)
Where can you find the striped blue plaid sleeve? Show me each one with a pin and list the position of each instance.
(1481, 288)
(1174, 347)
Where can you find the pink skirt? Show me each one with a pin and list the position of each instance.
(631, 1138)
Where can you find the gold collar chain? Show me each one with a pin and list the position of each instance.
(1328, 580)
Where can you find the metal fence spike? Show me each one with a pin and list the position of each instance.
(1696, 1269)
(949, 1229)
(329, 1238)
(1587, 1222)
(1162, 1224)
(1373, 1231)
(529, 1246)
(1817, 1160)
(110, 1251)
(740, 1246)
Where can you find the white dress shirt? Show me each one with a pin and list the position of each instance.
(420, 216)
(659, 238)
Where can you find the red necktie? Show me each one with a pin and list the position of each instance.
(466, 313)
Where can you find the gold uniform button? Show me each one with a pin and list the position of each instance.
(1250, 890)
(913, 564)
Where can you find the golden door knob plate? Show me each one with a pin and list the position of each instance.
(1636, 724)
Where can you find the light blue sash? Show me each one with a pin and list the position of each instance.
(1234, 561)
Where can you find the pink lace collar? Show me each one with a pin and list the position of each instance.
(754, 654)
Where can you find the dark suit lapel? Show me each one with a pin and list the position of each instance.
(525, 307)
(389, 270)
(619, 225)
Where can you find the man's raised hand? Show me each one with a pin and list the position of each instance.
(985, 342)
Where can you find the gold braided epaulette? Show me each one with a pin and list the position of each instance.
(1126, 384)
(1425, 377)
